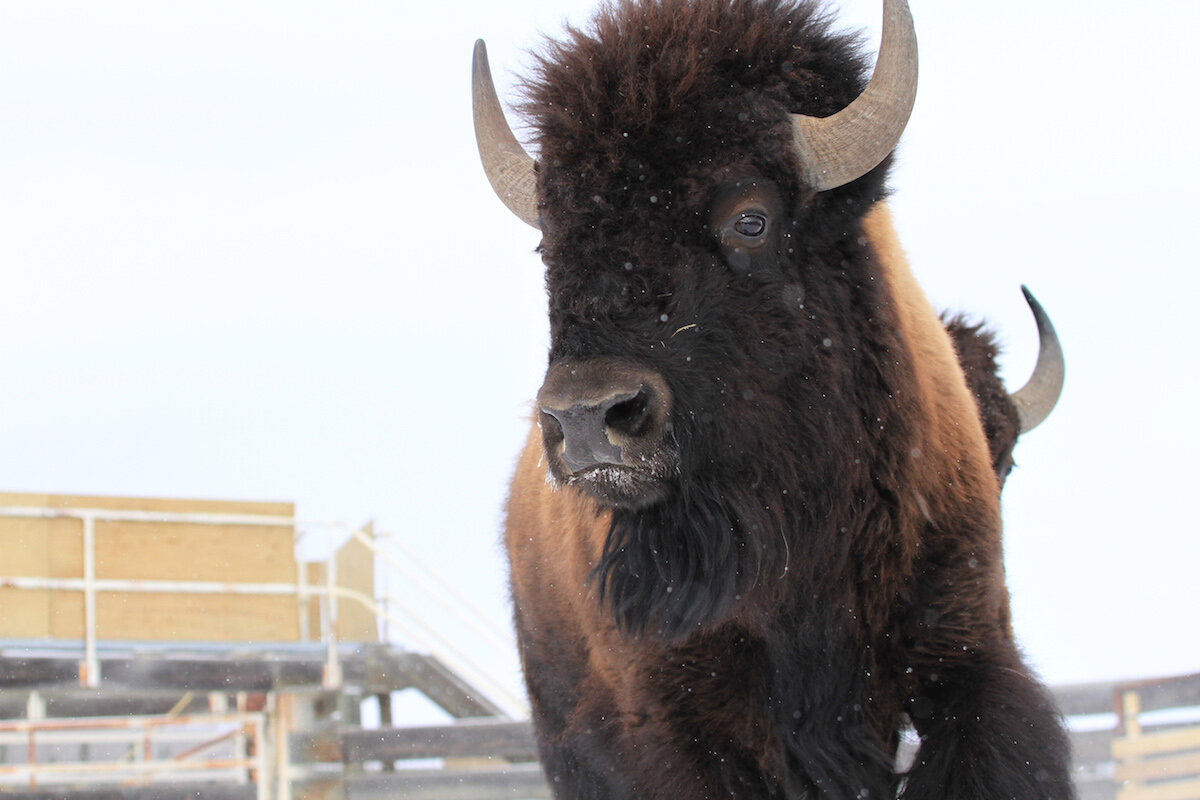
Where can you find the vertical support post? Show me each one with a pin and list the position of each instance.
(303, 598)
(35, 709)
(283, 736)
(385, 721)
(147, 754)
(262, 784)
(333, 668)
(32, 756)
(90, 671)
(1131, 708)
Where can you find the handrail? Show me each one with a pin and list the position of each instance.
(330, 593)
(141, 731)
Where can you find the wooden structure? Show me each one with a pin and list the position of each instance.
(1162, 764)
(212, 658)
(126, 546)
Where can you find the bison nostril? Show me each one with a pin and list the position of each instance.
(628, 416)
(601, 412)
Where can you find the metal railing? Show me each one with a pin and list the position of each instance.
(161, 749)
(390, 615)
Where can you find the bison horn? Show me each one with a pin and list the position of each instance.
(840, 148)
(1037, 398)
(511, 171)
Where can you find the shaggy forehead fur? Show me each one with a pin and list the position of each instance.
(657, 95)
(643, 63)
(642, 116)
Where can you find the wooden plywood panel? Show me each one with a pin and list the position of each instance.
(24, 614)
(66, 561)
(171, 505)
(196, 618)
(193, 552)
(190, 552)
(314, 576)
(150, 551)
(355, 571)
(29, 551)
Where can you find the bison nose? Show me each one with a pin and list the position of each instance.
(585, 428)
(602, 412)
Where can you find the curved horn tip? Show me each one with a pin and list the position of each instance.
(510, 170)
(1037, 398)
(841, 148)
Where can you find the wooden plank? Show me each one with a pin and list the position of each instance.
(1184, 790)
(469, 739)
(1185, 766)
(66, 561)
(209, 791)
(27, 554)
(1155, 694)
(356, 571)
(192, 552)
(73, 701)
(145, 616)
(1157, 743)
(314, 575)
(38, 547)
(446, 688)
(515, 781)
(158, 504)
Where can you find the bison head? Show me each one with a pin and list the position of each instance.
(727, 375)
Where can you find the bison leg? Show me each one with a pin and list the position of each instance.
(988, 730)
(576, 742)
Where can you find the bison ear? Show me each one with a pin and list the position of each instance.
(1037, 398)
(511, 171)
(843, 147)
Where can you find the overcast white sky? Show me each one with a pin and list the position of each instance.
(248, 252)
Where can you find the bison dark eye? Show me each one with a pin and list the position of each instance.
(751, 225)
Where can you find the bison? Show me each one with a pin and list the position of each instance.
(755, 530)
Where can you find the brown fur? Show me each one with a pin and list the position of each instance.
(818, 555)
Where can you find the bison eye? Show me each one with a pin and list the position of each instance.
(751, 225)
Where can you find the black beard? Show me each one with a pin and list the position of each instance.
(669, 569)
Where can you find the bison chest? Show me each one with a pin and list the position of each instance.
(728, 714)
(705, 711)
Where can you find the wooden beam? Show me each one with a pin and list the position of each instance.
(1148, 744)
(472, 739)
(521, 780)
(1181, 790)
(1184, 766)
(209, 791)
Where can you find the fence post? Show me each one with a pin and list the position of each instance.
(90, 669)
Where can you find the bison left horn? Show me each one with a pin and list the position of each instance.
(511, 171)
(1037, 398)
(843, 147)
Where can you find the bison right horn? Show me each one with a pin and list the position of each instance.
(1037, 398)
(510, 170)
(837, 149)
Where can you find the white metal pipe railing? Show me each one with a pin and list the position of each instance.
(475, 625)
(385, 609)
(91, 661)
